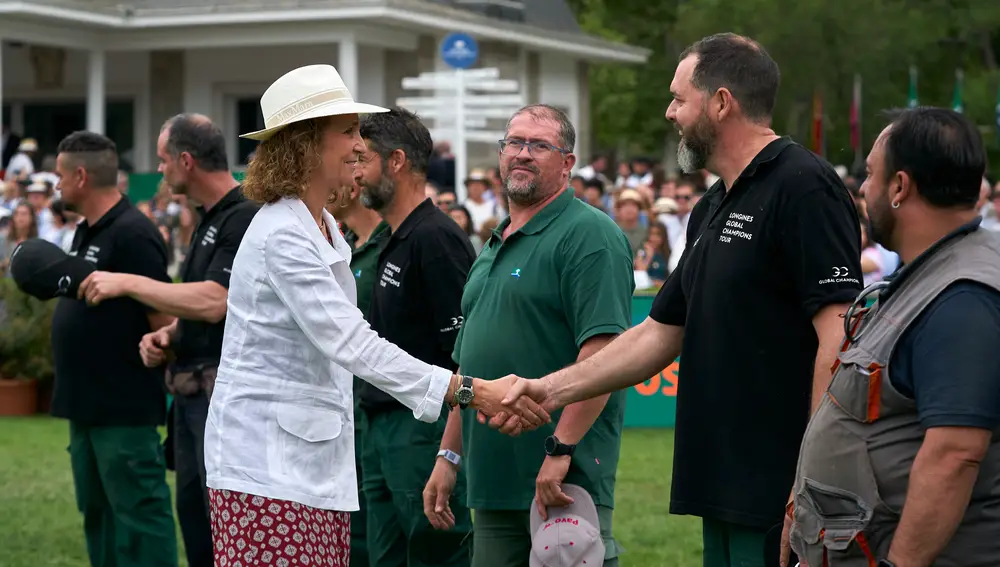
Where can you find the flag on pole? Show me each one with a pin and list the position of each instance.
(817, 122)
(913, 102)
(856, 120)
(956, 99)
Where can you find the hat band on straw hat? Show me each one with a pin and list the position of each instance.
(299, 107)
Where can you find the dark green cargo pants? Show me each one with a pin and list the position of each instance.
(399, 455)
(359, 519)
(121, 489)
(732, 545)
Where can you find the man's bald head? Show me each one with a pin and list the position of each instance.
(197, 136)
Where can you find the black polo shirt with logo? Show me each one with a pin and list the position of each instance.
(417, 301)
(210, 258)
(761, 260)
(99, 377)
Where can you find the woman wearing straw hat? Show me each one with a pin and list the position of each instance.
(279, 442)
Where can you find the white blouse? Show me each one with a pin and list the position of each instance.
(281, 419)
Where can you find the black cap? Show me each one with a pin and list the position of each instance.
(41, 269)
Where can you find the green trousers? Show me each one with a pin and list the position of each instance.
(732, 545)
(121, 490)
(503, 538)
(359, 519)
(399, 454)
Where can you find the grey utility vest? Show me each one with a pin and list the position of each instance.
(858, 449)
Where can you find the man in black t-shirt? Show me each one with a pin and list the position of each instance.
(416, 304)
(192, 154)
(771, 262)
(112, 401)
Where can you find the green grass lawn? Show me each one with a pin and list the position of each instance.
(40, 526)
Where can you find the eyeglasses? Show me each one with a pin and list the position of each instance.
(445, 202)
(682, 197)
(535, 149)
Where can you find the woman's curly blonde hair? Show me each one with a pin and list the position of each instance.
(283, 165)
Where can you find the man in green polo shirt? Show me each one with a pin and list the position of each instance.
(552, 286)
(367, 233)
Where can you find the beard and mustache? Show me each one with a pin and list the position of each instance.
(696, 146)
(881, 222)
(378, 196)
(522, 193)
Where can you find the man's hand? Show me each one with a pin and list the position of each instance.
(436, 495)
(508, 423)
(152, 347)
(488, 396)
(548, 485)
(526, 393)
(786, 546)
(100, 286)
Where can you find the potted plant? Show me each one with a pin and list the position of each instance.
(25, 349)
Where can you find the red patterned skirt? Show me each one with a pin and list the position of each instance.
(250, 530)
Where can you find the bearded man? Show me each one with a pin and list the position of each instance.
(416, 304)
(771, 262)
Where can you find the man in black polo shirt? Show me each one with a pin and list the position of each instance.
(367, 234)
(192, 154)
(416, 304)
(112, 401)
(772, 261)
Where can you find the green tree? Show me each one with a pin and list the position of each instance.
(818, 45)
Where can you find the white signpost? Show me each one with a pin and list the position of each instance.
(463, 102)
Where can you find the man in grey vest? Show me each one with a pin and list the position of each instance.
(900, 464)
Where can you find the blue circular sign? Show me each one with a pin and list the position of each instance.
(459, 50)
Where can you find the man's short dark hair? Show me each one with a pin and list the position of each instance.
(567, 133)
(941, 150)
(399, 129)
(97, 154)
(200, 138)
(737, 63)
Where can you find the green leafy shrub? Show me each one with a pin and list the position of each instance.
(25, 334)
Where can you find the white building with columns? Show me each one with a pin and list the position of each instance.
(122, 68)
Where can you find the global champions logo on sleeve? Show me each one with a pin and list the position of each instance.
(840, 274)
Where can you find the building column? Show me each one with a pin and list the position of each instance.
(371, 85)
(143, 133)
(347, 63)
(95, 92)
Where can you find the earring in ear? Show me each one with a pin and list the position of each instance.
(895, 205)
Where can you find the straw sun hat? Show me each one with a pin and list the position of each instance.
(313, 91)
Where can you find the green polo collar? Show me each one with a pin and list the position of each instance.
(380, 229)
(542, 218)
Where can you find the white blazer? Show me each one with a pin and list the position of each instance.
(281, 419)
